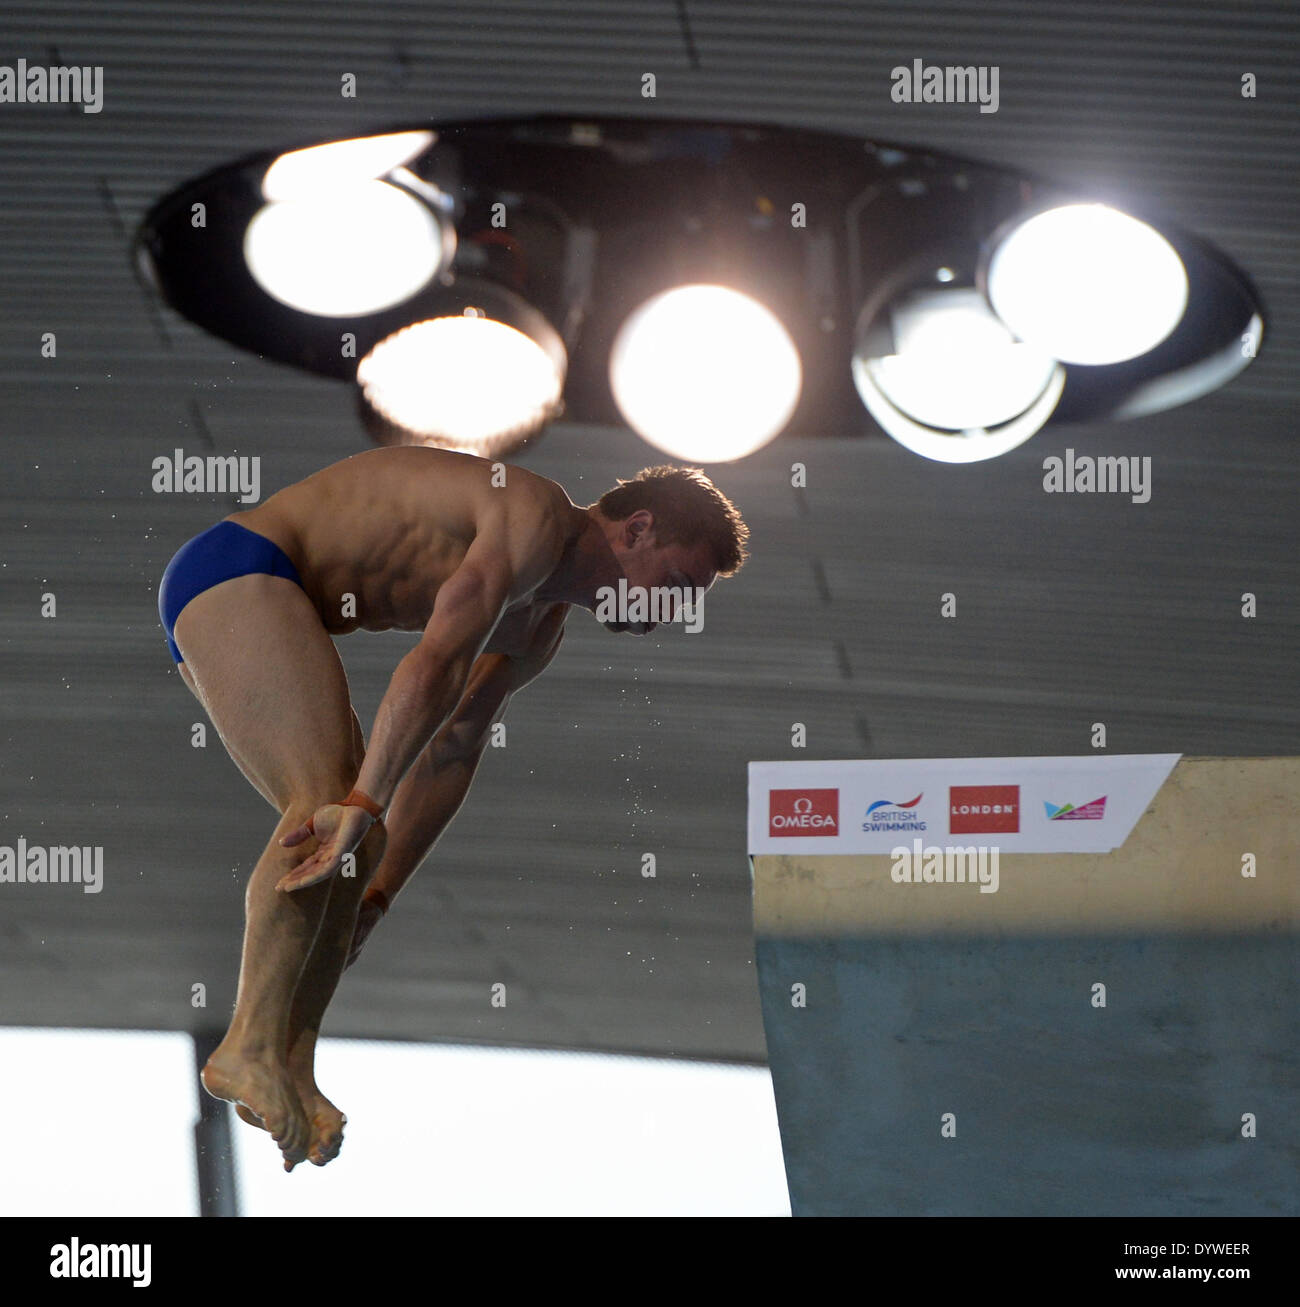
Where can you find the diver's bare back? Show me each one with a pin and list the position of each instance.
(389, 526)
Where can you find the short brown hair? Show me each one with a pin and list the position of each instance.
(687, 507)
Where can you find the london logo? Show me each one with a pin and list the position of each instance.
(974, 809)
(1093, 811)
(885, 814)
(803, 812)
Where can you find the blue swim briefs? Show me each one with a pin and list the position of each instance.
(218, 554)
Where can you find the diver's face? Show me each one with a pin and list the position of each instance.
(687, 570)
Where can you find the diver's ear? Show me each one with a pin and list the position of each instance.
(640, 523)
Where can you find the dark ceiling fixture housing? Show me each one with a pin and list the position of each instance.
(711, 285)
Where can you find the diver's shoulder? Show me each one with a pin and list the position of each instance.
(526, 497)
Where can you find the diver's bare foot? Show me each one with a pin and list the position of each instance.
(327, 1124)
(325, 1120)
(264, 1088)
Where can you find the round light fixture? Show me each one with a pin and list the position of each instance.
(955, 366)
(345, 252)
(957, 386)
(469, 380)
(1087, 284)
(705, 373)
(341, 163)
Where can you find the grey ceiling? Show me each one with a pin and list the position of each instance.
(1072, 610)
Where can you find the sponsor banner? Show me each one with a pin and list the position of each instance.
(1022, 805)
(981, 809)
(795, 813)
(1094, 811)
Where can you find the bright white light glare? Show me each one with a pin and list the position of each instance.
(971, 446)
(519, 1132)
(467, 383)
(341, 163)
(1088, 284)
(143, 1166)
(960, 388)
(956, 366)
(361, 249)
(705, 373)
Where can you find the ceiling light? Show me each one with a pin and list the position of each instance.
(954, 365)
(1088, 284)
(971, 446)
(470, 380)
(341, 163)
(956, 386)
(351, 251)
(705, 373)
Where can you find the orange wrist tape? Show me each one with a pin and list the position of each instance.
(377, 896)
(356, 799)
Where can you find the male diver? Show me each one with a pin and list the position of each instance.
(483, 559)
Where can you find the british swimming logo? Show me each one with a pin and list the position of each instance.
(1093, 811)
(979, 808)
(803, 812)
(885, 814)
